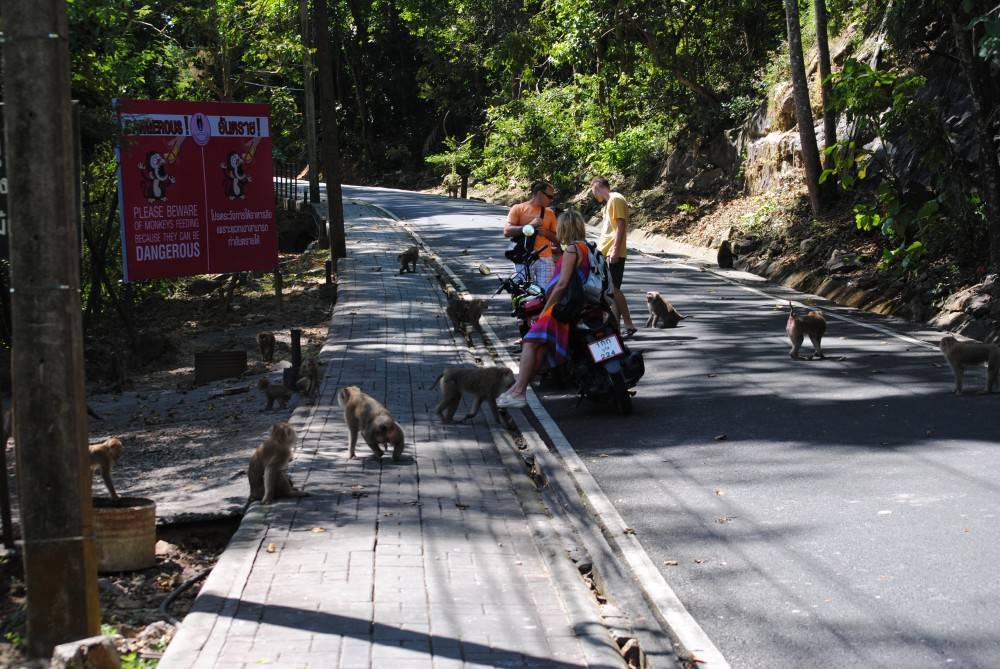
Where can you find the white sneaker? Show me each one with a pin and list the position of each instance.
(508, 400)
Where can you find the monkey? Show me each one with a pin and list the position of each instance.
(274, 392)
(407, 258)
(104, 456)
(812, 324)
(486, 383)
(364, 414)
(267, 471)
(725, 255)
(452, 182)
(464, 311)
(308, 383)
(661, 313)
(265, 341)
(962, 354)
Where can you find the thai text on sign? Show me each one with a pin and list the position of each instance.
(196, 188)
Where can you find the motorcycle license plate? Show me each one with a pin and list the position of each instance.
(606, 349)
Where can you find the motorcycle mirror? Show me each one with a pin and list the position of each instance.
(528, 230)
(484, 270)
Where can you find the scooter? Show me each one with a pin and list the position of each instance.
(601, 366)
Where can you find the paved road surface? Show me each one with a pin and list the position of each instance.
(848, 517)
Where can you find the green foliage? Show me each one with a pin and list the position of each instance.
(885, 105)
(14, 639)
(133, 661)
(458, 157)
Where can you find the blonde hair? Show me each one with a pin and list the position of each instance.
(570, 227)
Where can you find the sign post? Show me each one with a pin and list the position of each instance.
(196, 188)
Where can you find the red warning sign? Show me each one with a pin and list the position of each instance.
(195, 188)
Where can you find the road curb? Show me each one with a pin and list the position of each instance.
(216, 596)
(691, 643)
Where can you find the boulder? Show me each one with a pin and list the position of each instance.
(842, 261)
(96, 652)
(979, 305)
(960, 300)
(976, 328)
(782, 113)
(707, 181)
(807, 245)
(950, 320)
(746, 245)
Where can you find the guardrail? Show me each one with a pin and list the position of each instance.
(286, 185)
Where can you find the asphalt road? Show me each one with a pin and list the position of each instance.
(828, 513)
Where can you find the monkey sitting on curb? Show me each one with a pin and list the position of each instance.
(661, 313)
(962, 354)
(462, 311)
(485, 383)
(308, 383)
(265, 341)
(268, 468)
(797, 327)
(103, 457)
(274, 392)
(409, 257)
(725, 255)
(364, 414)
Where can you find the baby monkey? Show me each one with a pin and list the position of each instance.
(265, 341)
(268, 468)
(103, 457)
(364, 414)
(962, 354)
(485, 383)
(409, 257)
(797, 327)
(661, 313)
(274, 392)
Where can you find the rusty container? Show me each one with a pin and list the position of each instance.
(124, 533)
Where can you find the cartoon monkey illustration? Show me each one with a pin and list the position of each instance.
(154, 171)
(235, 176)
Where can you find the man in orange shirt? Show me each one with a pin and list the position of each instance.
(536, 212)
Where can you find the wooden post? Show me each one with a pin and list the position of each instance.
(279, 284)
(296, 348)
(51, 426)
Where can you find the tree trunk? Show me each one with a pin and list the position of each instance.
(331, 149)
(823, 46)
(977, 73)
(803, 110)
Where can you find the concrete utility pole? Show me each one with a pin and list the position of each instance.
(308, 82)
(50, 427)
(331, 151)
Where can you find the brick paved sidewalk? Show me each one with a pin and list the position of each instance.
(430, 562)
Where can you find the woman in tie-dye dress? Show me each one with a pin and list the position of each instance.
(546, 344)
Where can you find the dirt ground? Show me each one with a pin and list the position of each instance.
(186, 446)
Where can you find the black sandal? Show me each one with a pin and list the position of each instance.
(629, 333)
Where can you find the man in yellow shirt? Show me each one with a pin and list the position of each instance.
(612, 244)
(537, 213)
